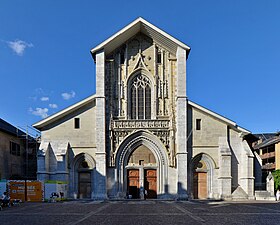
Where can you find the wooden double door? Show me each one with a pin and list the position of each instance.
(150, 183)
(200, 185)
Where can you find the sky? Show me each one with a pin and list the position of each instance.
(233, 68)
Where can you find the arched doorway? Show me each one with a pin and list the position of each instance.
(142, 174)
(82, 173)
(155, 168)
(200, 180)
(202, 170)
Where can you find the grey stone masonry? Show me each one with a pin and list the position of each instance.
(100, 74)
(101, 193)
(225, 178)
(181, 121)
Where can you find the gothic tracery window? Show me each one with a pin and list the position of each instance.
(140, 105)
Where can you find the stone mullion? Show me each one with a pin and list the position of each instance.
(136, 103)
(163, 80)
(125, 61)
(170, 87)
(144, 103)
(119, 84)
(156, 83)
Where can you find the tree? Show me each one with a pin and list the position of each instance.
(276, 175)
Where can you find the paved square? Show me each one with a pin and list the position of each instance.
(142, 212)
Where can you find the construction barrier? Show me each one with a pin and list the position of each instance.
(34, 191)
(58, 187)
(3, 186)
(31, 191)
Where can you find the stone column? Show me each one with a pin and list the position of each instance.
(247, 170)
(181, 122)
(225, 168)
(100, 191)
(99, 177)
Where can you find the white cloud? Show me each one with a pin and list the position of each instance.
(53, 106)
(39, 91)
(18, 46)
(34, 98)
(43, 112)
(44, 99)
(67, 96)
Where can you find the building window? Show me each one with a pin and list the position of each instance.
(140, 96)
(158, 56)
(77, 123)
(198, 124)
(14, 148)
(122, 58)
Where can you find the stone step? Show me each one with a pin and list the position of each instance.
(264, 195)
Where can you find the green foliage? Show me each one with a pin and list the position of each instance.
(276, 175)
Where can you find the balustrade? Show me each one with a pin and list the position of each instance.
(269, 166)
(267, 155)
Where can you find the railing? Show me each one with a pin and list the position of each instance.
(267, 155)
(269, 166)
(147, 124)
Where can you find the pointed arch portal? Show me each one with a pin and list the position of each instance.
(82, 171)
(202, 172)
(141, 166)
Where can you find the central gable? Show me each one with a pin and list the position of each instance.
(139, 26)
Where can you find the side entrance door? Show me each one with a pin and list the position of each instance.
(200, 185)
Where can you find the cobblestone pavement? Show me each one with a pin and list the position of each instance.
(142, 212)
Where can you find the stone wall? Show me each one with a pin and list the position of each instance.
(63, 130)
(230, 153)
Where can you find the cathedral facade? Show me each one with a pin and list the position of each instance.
(140, 136)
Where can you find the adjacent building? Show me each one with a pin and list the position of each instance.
(17, 153)
(140, 136)
(268, 149)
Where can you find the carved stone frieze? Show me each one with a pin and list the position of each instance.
(138, 124)
(120, 129)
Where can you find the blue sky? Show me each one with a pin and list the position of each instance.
(233, 67)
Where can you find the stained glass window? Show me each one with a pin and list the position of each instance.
(140, 107)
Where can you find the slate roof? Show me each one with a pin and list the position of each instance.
(9, 128)
(265, 136)
(268, 142)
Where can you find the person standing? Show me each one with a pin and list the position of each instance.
(4, 196)
(5, 199)
(278, 195)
